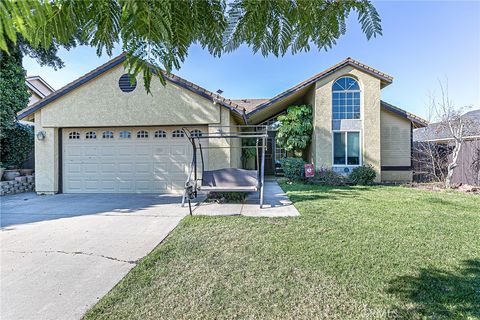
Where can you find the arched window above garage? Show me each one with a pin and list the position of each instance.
(142, 134)
(177, 134)
(74, 135)
(91, 135)
(160, 134)
(107, 135)
(125, 135)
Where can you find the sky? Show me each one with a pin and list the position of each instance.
(423, 42)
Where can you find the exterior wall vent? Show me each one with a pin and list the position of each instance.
(125, 84)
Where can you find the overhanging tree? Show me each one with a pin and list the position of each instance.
(294, 132)
(157, 34)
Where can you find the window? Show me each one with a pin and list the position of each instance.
(272, 123)
(91, 135)
(125, 135)
(160, 134)
(74, 135)
(107, 135)
(177, 134)
(142, 134)
(346, 148)
(196, 133)
(346, 99)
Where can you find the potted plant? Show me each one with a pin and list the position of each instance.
(11, 173)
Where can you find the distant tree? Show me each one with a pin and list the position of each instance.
(158, 34)
(295, 128)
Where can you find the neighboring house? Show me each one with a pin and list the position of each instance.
(103, 134)
(468, 169)
(38, 89)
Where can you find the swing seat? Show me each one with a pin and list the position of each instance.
(230, 180)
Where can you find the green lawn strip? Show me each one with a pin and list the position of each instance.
(355, 252)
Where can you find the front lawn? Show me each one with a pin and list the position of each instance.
(355, 252)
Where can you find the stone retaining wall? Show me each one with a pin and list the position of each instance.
(19, 185)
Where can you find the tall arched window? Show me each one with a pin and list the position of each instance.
(345, 99)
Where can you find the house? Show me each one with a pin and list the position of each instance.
(38, 89)
(437, 135)
(104, 134)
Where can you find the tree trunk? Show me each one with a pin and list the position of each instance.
(453, 164)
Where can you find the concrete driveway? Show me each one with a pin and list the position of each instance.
(60, 254)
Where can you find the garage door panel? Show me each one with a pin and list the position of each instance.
(108, 185)
(72, 151)
(108, 168)
(73, 168)
(125, 165)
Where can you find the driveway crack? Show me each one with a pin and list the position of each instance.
(79, 253)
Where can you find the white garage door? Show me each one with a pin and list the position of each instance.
(125, 160)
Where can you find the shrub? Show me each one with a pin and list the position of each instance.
(293, 168)
(328, 177)
(363, 175)
(17, 143)
(227, 196)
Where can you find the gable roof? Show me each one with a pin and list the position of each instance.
(243, 107)
(115, 62)
(249, 104)
(386, 80)
(420, 122)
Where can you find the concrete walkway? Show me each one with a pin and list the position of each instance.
(276, 204)
(60, 254)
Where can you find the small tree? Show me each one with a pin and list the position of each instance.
(295, 129)
(451, 122)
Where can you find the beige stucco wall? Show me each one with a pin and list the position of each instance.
(100, 102)
(33, 97)
(370, 114)
(395, 139)
(220, 157)
(46, 159)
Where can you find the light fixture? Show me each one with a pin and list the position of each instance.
(41, 135)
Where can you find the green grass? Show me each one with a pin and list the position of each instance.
(354, 253)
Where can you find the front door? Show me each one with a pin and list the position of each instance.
(269, 157)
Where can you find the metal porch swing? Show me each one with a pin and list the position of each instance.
(226, 179)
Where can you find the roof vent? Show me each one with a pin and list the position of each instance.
(125, 84)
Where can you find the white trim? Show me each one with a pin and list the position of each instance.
(332, 91)
(346, 150)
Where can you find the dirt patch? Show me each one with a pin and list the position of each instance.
(438, 186)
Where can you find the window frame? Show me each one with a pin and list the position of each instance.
(179, 131)
(360, 92)
(142, 134)
(120, 134)
(160, 134)
(74, 135)
(360, 149)
(91, 135)
(108, 134)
